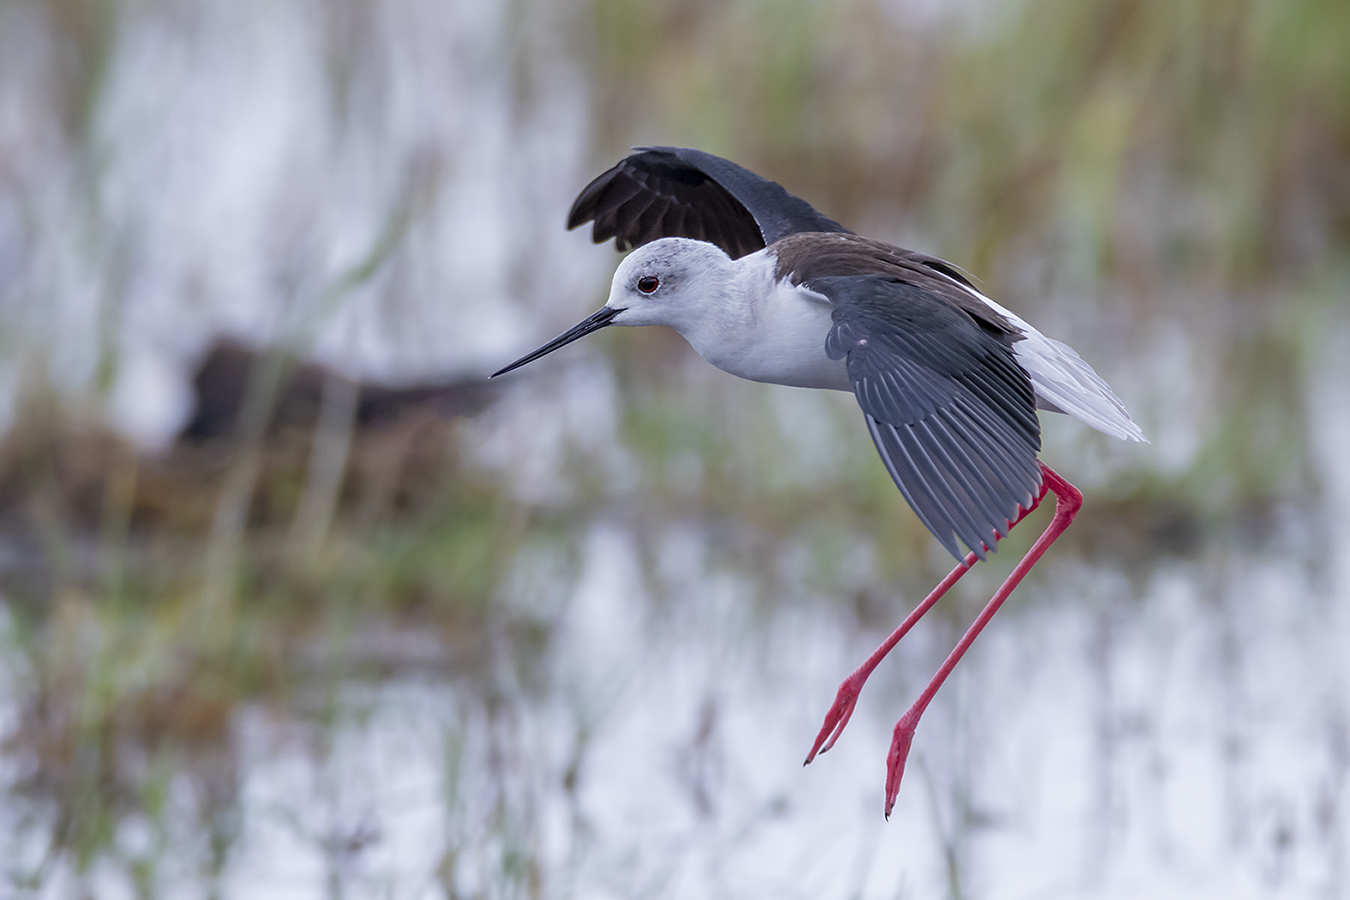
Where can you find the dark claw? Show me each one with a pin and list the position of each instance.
(835, 720)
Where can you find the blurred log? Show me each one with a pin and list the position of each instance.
(222, 381)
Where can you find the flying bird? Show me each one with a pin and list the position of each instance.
(950, 383)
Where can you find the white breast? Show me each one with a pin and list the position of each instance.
(771, 332)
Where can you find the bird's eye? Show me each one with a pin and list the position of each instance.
(648, 283)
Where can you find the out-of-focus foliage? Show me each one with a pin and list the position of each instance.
(1208, 139)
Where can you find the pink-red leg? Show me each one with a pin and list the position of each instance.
(1067, 502)
(847, 697)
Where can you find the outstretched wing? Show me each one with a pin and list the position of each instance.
(951, 412)
(662, 192)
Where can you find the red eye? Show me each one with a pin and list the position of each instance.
(648, 283)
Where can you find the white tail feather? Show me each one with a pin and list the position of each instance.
(1065, 383)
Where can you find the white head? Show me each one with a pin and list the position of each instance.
(672, 281)
(668, 282)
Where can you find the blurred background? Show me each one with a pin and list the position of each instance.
(293, 603)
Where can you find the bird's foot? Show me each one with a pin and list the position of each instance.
(895, 759)
(839, 714)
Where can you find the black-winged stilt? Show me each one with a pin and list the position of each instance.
(765, 287)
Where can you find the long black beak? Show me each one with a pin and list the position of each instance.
(597, 320)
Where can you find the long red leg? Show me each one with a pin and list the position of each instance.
(1068, 499)
(847, 697)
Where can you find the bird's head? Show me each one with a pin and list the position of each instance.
(667, 282)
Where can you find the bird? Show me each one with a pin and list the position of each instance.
(950, 383)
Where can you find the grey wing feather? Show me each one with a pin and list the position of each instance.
(951, 413)
(679, 192)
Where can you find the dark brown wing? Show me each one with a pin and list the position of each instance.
(677, 192)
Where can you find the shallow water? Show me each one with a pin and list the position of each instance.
(1184, 736)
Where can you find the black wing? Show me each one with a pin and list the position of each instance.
(676, 192)
(952, 413)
